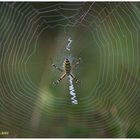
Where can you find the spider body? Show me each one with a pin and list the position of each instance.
(67, 67)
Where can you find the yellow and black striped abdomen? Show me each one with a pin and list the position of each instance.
(67, 66)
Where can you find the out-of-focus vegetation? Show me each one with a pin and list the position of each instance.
(107, 40)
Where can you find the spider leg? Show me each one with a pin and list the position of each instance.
(77, 62)
(57, 68)
(61, 78)
(74, 78)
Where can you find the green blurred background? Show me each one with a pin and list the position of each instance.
(33, 35)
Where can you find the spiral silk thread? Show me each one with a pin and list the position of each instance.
(69, 44)
(72, 91)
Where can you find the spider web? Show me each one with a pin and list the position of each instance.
(110, 65)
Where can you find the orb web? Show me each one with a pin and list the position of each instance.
(107, 35)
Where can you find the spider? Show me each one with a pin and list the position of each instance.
(67, 70)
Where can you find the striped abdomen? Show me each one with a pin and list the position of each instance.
(67, 66)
